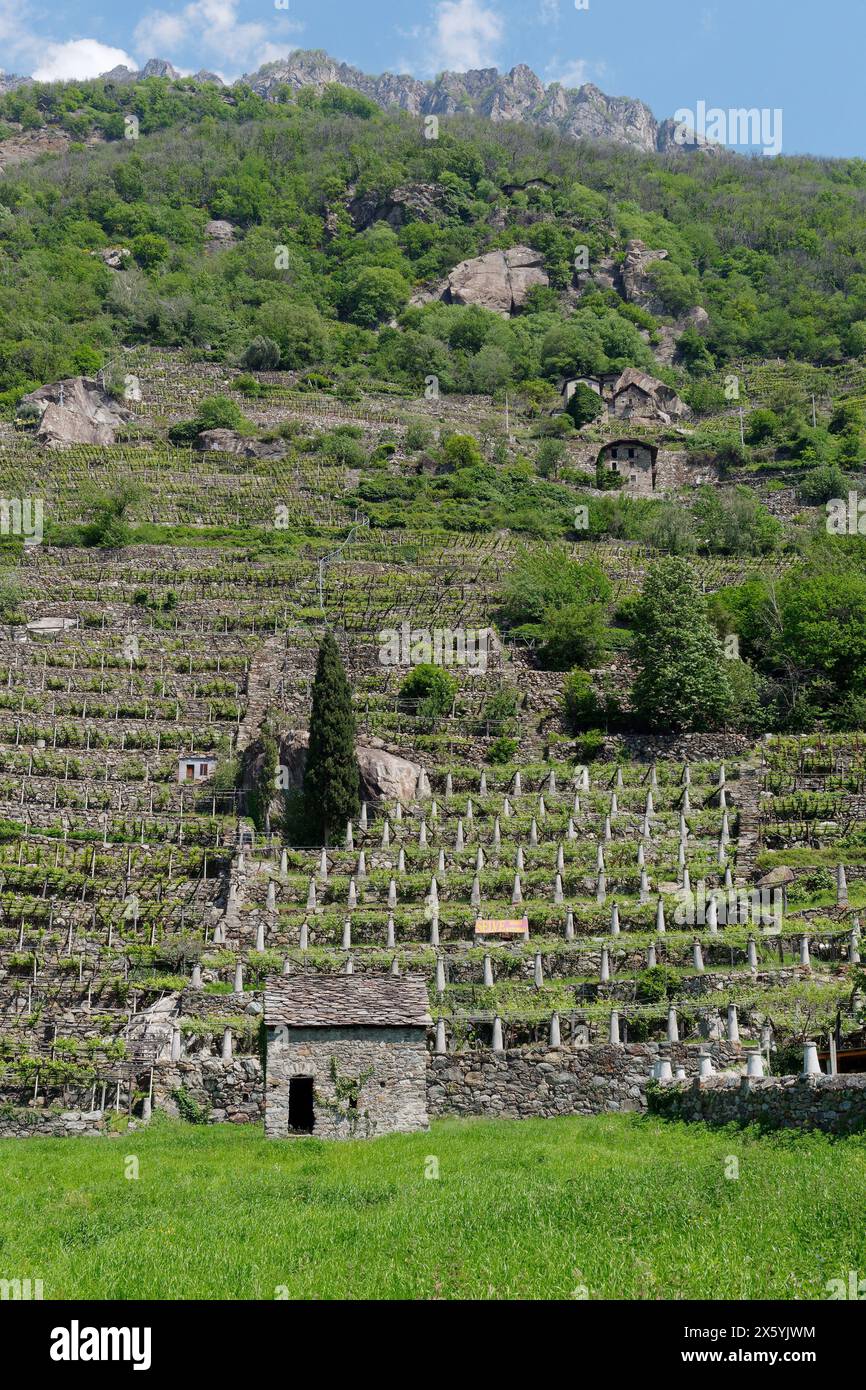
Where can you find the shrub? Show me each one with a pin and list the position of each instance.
(433, 687)
(821, 484)
(502, 750)
(262, 355)
(580, 702)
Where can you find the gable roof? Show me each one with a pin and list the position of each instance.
(313, 1000)
(650, 385)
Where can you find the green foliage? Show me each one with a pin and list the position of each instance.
(188, 1107)
(429, 689)
(502, 750)
(581, 705)
(262, 354)
(332, 779)
(822, 483)
(214, 413)
(109, 525)
(584, 405)
(559, 603)
(682, 682)
(263, 758)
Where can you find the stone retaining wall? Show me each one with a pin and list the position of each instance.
(528, 1082)
(835, 1104)
(24, 1122)
(230, 1092)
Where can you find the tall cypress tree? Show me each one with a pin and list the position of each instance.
(332, 779)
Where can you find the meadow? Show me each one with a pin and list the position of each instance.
(608, 1207)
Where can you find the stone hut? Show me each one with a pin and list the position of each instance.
(634, 460)
(346, 1055)
(638, 396)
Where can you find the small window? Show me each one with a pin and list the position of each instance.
(301, 1117)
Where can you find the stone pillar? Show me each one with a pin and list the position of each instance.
(227, 1045)
(239, 978)
(497, 1035)
(755, 1064)
(697, 957)
(604, 971)
(804, 951)
(196, 976)
(175, 1045)
(613, 1029)
(304, 937)
(673, 1026)
(538, 971)
(488, 972)
(347, 934)
(441, 1042)
(841, 887)
(733, 1025)
(614, 920)
(811, 1065)
(554, 1031)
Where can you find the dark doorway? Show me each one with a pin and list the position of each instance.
(301, 1104)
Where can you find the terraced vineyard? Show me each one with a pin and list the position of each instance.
(139, 912)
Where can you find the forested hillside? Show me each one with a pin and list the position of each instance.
(775, 251)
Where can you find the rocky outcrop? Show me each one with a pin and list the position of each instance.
(384, 776)
(76, 411)
(219, 234)
(419, 201)
(499, 280)
(10, 80)
(636, 284)
(149, 1032)
(230, 442)
(115, 257)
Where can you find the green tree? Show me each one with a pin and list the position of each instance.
(584, 404)
(682, 683)
(297, 330)
(332, 779)
(262, 355)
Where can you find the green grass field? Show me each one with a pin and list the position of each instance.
(623, 1206)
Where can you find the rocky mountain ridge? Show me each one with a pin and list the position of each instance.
(519, 95)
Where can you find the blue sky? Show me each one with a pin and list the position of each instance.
(800, 56)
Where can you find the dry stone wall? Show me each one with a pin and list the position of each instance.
(532, 1084)
(835, 1104)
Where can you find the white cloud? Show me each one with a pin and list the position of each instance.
(78, 59)
(210, 31)
(465, 35)
(549, 11)
(572, 74)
